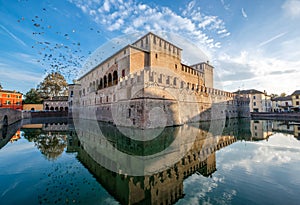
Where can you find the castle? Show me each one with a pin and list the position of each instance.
(146, 85)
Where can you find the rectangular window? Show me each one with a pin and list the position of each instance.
(297, 96)
(297, 102)
(254, 97)
(254, 103)
(8, 102)
(8, 96)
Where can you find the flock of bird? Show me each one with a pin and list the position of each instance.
(64, 53)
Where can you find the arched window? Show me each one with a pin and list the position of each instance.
(105, 81)
(109, 80)
(100, 84)
(115, 77)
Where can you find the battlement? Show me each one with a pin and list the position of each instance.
(155, 77)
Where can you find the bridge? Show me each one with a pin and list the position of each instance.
(9, 116)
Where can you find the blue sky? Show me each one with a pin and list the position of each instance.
(251, 44)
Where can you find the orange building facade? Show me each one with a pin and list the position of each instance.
(11, 99)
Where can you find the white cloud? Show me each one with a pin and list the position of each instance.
(226, 6)
(106, 5)
(191, 23)
(251, 69)
(292, 8)
(244, 13)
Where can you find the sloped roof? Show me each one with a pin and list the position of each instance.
(297, 92)
(286, 98)
(250, 91)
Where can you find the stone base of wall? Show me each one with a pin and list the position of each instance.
(153, 113)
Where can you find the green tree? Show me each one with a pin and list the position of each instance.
(33, 97)
(282, 94)
(54, 84)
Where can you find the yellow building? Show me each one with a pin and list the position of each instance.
(296, 100)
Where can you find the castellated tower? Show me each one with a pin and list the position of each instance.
(145, 85)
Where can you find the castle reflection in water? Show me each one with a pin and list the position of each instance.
(148, 171)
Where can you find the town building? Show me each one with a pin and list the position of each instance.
(282, 104)
(296, 100)
(260, 129)
(258, 101)
(11, 99)
(33, 107)
(146, 85)
(56, 103)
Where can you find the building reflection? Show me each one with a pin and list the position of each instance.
(161, 184)
(16, 136)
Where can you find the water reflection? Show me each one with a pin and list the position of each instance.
(50, 138)
(164, 183)
(136, 171)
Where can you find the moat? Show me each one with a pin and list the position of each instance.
(238, 161)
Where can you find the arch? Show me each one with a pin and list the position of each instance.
(115, 77)
(32, 109)
(56, 108)
(109, 80)
(66, 108)
(47, 107)
(51, 108)
(105, 82)
(61, 109)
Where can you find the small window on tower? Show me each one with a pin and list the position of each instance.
(156, 55)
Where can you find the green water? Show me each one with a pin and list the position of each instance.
(232, 162)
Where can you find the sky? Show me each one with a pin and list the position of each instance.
(251, 44)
